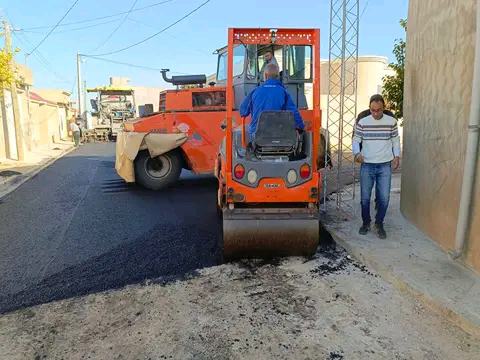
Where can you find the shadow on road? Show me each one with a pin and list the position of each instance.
(148, 257)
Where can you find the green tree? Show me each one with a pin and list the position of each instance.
(393, 84)
(6, 74)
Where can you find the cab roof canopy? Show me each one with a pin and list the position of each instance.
(112, 90)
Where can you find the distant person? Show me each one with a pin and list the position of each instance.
(271, 95)
(75, 129)
(378, 135)
(81, 124)
(268, 58)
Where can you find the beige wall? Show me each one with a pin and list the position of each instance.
(54, 95)
(3, 149)
(43, 122)
(42, 126)
(438, 79)
(62, 99)
(8, 124)
(147, 95)
(371, 70)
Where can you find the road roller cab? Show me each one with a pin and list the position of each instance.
(269, 186)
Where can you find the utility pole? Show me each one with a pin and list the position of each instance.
(79, 85)
(13, 92)
(84, 103)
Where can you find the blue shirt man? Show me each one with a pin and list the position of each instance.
(272, 95)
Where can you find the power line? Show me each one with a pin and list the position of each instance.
(69, 30)
(118, 27)
(58, 23)
(364, 8)
(128, 64)
(173, 36)
(121, 63)
(157, 33)
(41, 59)
(38, 55)
(101, 17)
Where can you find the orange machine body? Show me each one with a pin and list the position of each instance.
(198, 112)
(271, 190)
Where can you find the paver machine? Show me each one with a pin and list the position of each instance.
(269, 187)
(114, 105)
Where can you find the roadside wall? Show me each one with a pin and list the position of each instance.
(438, 83)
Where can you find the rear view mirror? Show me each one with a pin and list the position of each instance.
(93, 102)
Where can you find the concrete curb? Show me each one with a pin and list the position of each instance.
(386, 273)
(13, 183)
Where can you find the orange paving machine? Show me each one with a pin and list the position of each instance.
(268, 191)
(269, 188)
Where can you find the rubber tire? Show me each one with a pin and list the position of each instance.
(144, 178)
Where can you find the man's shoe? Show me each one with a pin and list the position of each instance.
(365, 228)
(381, 231)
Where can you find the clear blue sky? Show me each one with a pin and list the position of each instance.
(187, 47)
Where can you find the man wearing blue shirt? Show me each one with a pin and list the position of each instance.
(271, 95)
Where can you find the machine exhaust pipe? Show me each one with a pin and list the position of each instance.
(184, 79)
(164, 76)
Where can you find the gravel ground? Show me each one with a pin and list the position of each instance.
(326, 307)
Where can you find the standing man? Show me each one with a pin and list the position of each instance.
(271, 95)
(378, 135)
(366, 113)
(75, 132)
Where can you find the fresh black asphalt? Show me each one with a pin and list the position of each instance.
(76, 228)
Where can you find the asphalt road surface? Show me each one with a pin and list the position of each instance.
(77, 228)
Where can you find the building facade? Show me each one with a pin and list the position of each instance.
(44, 117)
(437, 96)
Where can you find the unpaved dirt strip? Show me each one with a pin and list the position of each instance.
(327, 307)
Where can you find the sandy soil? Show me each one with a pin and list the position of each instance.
(328, 307)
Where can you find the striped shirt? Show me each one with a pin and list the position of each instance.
(379, 139)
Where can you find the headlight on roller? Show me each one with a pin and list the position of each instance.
(252, 176)
(292, 176)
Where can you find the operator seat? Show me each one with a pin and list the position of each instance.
(276, 134)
